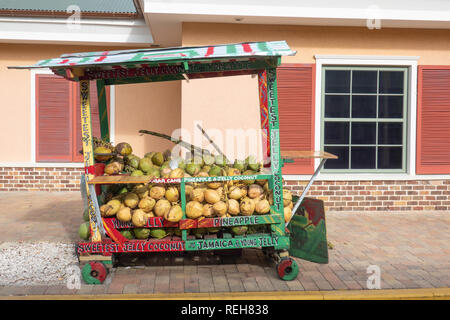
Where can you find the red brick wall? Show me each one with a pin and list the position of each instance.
(386, 195)
(378, 195)
(39, 179)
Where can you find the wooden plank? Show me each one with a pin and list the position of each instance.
(119, 179)
(153, 222)
(307, 154)
(231, 221)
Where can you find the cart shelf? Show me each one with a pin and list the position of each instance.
(173, 243)
(160, 222)
(126, 179)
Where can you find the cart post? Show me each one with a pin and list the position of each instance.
(88, 159)
(103, 110)
(275, 158)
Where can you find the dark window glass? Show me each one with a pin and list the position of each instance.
(389, 157)
(363, 158)
(390, 133)
(336, 133)
(363, 133)
(341, 162)
(337, 81)
(364, 82)
(391, 82)
(337, 106)
(390, 107)
(364, 106)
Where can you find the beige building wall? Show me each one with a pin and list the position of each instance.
(137, 106)
(233, 111)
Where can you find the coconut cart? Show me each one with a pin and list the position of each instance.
(304, 236)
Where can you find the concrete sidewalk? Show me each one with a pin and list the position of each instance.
(412, 250)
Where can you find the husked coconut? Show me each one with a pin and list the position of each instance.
(139, 218)
(262, 206)
(254, 191)
(131, 200)
(194, 209)
(147, 204)
(247, 206)
(124, 214)
(174, 214)
(233, 207)
(220, 208)
(208, 210)
(157, 192)
(162, 207)
(172, 194)
(211, 196)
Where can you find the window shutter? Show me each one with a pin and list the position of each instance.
(53, 119)
(433, 120)
(296, 113)
(78, 157)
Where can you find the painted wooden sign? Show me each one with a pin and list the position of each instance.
(153, 222)
(230, 221)
(238, 242)
(131, 246)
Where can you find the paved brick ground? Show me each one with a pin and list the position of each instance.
(412, 250)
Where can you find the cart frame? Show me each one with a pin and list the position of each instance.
(152, 65)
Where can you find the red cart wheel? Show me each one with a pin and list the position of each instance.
(287, 269)
(94, 272)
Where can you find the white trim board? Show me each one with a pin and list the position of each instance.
(350, 60)
(33, 163)
(123, 32)
(365, 177)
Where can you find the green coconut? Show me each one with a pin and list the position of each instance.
(215, 171)
(252, 164)
(221, 160)
(137, 173)
(240, 165)
(158, 158)
(84, 231)
(124, 149)
(127, 234)
(192, 168)
(141, 233)
(248, 173)
(208, 159)
(158, 233)
(239, 230)
(149, 155)
(145, 164)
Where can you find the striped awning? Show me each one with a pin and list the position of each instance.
(165, 55)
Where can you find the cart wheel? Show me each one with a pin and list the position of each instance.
(287, 269)
(94, 272)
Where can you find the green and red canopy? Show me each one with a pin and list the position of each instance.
(147, 65)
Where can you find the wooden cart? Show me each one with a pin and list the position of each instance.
(151, 65)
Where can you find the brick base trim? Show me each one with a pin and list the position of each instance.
(39, 179)
(376, 195)
(372, 195)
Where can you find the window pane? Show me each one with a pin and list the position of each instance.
(337, 106)
(364, 106)
(364, 82)
(363, 158)
(390, 157)
(390, 107)
(337, 81)
(336, 133)
(391, 82)
(341, 162)
(390, 133)
(363, 133)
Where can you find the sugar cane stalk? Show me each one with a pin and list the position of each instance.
(182, 143)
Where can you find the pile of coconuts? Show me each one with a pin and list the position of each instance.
(136, 203)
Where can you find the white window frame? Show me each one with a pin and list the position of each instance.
(356, 60)
(34, 163)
